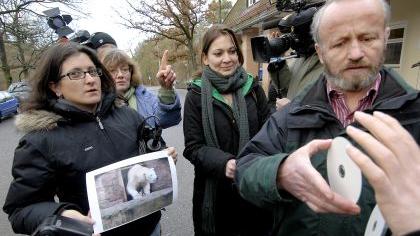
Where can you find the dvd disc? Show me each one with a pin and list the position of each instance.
(344, 176)
(376, 225)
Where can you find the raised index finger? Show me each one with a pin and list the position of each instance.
(164, 60)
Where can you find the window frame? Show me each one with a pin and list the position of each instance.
(394, 26)
(252, 2)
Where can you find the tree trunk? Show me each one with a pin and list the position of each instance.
(192, 57)
(23, 62)
(3, 58)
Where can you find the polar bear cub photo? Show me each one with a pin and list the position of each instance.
(139, 180)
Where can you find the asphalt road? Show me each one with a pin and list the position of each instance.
(176, 219)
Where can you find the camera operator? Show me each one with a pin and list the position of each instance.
(288, 79)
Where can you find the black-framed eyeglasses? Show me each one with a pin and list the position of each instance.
(79, 74)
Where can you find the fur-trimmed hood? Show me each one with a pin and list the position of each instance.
(62, 111)
(37, 120)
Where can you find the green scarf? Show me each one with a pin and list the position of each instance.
(224, 84)
(130, 97)
(228, 84)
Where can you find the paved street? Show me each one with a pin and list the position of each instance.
(176, 220)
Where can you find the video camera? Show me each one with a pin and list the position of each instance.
(295, 31)
(59, 23)
(80, 36)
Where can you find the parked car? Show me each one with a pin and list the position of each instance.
(8, 105)
(20, 90)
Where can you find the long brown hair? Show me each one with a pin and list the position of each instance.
(212, 34)
(49, 70)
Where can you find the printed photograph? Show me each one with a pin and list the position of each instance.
(133, 191)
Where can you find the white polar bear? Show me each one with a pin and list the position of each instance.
(140, 177)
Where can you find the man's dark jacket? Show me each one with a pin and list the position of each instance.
(60, 146)
(232, 212)
(309, 117)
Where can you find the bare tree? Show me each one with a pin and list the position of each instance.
(217, 11)
(172, 19)
(23, 34)
(3, 57)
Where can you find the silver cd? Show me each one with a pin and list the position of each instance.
(376, 225)
(344, 176)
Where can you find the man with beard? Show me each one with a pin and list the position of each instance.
(283, 167)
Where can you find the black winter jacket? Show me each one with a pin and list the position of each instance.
(60, 146)
(232, 212)
(310, 116)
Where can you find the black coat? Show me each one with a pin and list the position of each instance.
(233, 215)
(60, 146)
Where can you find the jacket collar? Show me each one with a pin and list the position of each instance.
(37, 120)
(312, 109)
(140, 89)
(69, 111)
(60, 112)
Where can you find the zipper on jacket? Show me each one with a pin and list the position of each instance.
(101, 126)
(105, 133)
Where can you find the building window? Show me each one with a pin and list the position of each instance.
(395, 45)
(252, 2)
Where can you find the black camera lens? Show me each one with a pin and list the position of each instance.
(263, 49)
(281, 44)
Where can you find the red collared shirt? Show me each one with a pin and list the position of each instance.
(338, 103)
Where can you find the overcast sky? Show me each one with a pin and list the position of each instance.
(103, 17)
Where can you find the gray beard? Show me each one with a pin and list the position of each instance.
(354, 85)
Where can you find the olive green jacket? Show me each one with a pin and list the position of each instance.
(309, 116)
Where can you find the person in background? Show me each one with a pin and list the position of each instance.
(166, 106)
(290, 78)
(394, 171)
(223, 109)
(284, 166)
(101, 42)
(73, 125)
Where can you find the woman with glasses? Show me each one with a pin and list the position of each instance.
(73, 125)
(166, 106)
